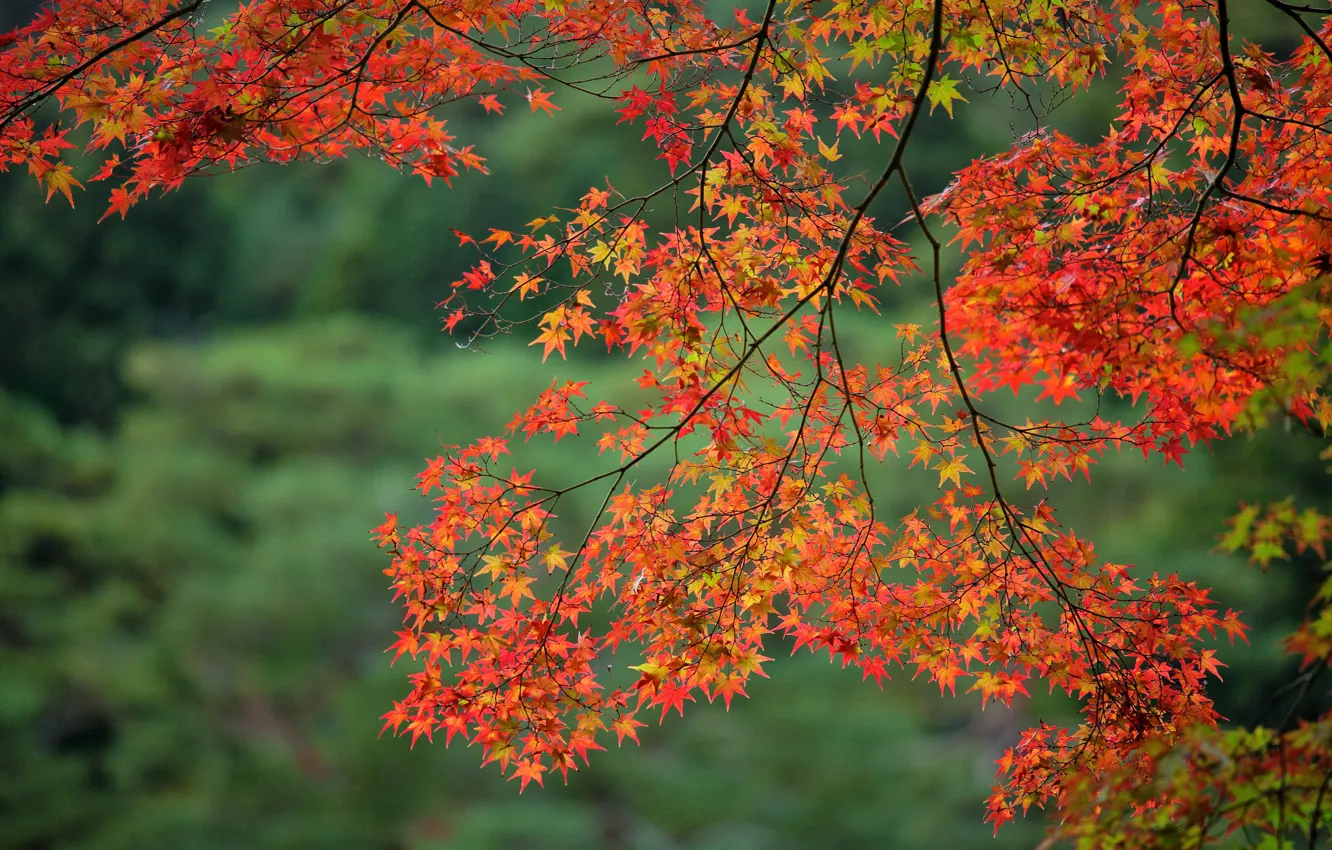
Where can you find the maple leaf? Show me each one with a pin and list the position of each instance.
(518, 587)
(943, 92)
(1058, 387)
(525, 285)
(386, 534)
(672, 694)
(555, 334)
(120, 202)
(626, 727)
(499, 237)
(847, 116)
(59, 177)
(727, 688)
(556, 558)
(539, 99)
(528, 770)
(652, 671)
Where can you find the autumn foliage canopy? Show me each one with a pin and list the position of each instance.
(1179, 262)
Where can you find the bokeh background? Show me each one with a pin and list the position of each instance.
(205, 407)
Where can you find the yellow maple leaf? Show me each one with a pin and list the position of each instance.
(951, 470)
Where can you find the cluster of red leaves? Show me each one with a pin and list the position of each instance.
(277, 81)
(1135, 264)
(1158, 264)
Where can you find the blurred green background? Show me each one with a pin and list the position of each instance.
(205, 407)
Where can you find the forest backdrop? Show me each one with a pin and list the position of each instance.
(205, 406)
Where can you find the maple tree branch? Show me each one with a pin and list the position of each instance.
(304, 29)
(1218, 180)
(1287, 119)
(1301, 685)
(1003, 57)
(723, 129)
(1146, 161)
(1016, 526)
(761, 37)
(701, 165)
(1316, 816)
(358, 70)
(710, 50)
(1293, 7)
(1274, 207)
(846, 394)
(1293, 12)
(559, 595)
(13, 112)
(672, 432)
(894, 166)
(521, 58)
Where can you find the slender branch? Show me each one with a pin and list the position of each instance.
(50, 89)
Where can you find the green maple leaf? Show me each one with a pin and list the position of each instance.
(943, 93)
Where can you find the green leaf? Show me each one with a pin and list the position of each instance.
(944, 93)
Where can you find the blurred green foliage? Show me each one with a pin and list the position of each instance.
(193, 622)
